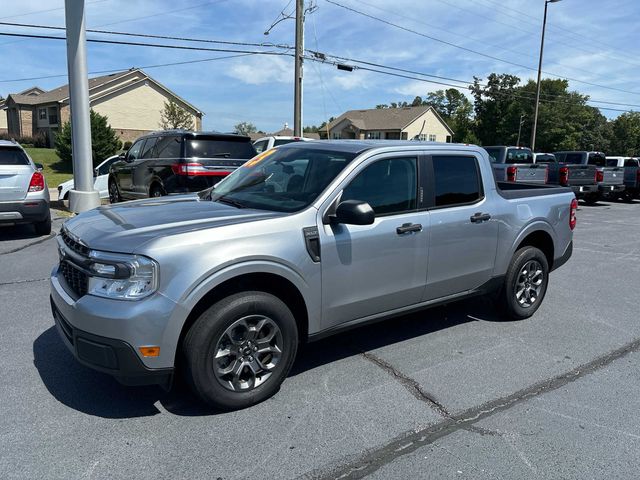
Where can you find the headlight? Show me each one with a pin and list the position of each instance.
(121, 276)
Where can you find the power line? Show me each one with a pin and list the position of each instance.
(142, 44)
(476, 52)
(46, 11)
(147, 35)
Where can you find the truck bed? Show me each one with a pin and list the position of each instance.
(512, 191)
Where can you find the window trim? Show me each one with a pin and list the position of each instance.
(142, 143)
(430, 197)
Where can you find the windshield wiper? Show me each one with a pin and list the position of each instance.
(222, 154)
(230, 201)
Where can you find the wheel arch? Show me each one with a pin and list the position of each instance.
(268, 282)
(540, 239)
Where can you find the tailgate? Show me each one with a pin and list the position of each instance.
(14, 182)
(582, 174)
(536, 173)
(613, 175)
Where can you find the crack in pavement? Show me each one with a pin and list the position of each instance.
(412, 386)
(24, 281)
(466, 420)
(37, 242)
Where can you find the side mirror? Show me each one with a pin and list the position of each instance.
(39, 166)
(354, 212)
(95, 172)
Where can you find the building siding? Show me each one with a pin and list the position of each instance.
(433, 126)
(137, 108)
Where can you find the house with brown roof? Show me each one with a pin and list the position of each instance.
(407, 123)
(131, 100)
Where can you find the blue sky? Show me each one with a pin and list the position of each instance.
(588, 40)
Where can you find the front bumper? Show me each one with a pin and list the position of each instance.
(109, 355)
(110, 331)
(24, 211)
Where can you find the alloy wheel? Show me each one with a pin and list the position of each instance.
(247, 353)
(529, 283)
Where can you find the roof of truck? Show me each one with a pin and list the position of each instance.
(359, 146)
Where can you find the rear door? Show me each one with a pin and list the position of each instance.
(15, 174)
(143, 169)
(463, 235)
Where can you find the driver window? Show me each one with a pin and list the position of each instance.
(389, 186)
(134, 151)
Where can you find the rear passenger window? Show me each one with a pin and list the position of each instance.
(597, 160)
(389, 186)
(456, 179)
(517, 155)
(169, 147)
(148, 147)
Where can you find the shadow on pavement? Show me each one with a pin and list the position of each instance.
(18, 232)
(98, 394)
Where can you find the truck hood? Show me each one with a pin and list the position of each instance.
(127, 226)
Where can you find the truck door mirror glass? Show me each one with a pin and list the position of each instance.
(354, 212)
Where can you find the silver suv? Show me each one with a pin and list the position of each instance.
(24, 195)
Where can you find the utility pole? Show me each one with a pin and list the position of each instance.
(520, 129)
(535, 115)
(297, 88)
(83, 196)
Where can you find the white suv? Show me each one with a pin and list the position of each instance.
(265, 143)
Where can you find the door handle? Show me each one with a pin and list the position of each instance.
(479, 217)
(408, 228)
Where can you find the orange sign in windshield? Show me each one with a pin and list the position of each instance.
(258, 158)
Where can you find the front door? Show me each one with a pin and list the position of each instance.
(463, 236)
(369, 269)
(125, 171)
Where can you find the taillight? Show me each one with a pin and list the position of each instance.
(511, 174)
(196, 170)
(37, 182)
(563, 176)
(546, 174)
(599, 176)
(572, 214)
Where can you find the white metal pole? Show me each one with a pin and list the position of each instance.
(83, 196)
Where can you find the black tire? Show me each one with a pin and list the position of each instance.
(114, 192)
(627, 197)
(591, 199)
(210, 330)
(507, 300)
(155, 191)
(43, 227)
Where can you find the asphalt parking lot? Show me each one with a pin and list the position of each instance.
(451, 393)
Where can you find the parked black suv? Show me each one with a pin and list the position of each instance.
(176, 161)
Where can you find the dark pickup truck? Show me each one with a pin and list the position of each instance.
(609, 180)
(176, 161)
(581, 178)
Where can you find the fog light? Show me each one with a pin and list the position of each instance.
(150, 351)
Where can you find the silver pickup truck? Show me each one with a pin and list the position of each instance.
(610, 180)
(516, 164)
(301, 242)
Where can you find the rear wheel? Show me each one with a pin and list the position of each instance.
(44, 227)
(240, 350)
(525, 284)
(591, 198)
(114, 193)
(155, 191)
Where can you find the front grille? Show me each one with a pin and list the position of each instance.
(73, 244)
(77, 280)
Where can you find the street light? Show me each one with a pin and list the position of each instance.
(535, 116)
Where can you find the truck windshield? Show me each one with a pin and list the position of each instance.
(519, 155)
(213, 148)
(13, 156)
(281, 180)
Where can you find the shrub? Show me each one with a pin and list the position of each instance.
(104, 142)
(127, 145)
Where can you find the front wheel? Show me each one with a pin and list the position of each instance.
(240, 350)
(114, 193)
(525, 284)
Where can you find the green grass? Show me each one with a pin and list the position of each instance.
(55, 171)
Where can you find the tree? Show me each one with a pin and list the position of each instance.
(245, 128)
(625, 134)
(173, 116)
(104, 141)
